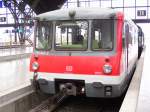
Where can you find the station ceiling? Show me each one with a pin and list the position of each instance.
(41, 6)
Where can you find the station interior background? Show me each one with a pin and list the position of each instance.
(135, 9)
(138, 10)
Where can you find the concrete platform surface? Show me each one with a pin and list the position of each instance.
(14, 73)
(14, 51)
(16, 92)
(15, 86)
(144, 95)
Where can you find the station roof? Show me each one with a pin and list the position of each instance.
(41, 6)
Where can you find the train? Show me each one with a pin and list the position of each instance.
(85, 51)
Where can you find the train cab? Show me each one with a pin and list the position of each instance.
(87, 51)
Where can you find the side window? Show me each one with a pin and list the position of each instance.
(136, 35)
(43, 35)
(123, 35)
(131, 35)
(128, 35)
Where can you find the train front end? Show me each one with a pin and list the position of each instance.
(81, 54)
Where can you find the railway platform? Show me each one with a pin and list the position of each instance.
(15, 88)
(15, 53)
(144, 93)
(14, 67)
(14, 74)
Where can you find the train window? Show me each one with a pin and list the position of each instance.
(130, 41)
(102, 34)
(43, 34)
(135, 36)
(123, 36)
(71, 35)
(128, 35)
(131, 35)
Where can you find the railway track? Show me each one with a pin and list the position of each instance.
(43, 107)
(80, 104)
(64, 101)
(51, 103)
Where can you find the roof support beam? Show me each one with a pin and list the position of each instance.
(141, 20)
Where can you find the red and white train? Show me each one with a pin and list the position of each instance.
(88, 51)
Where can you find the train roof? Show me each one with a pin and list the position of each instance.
(78, 13)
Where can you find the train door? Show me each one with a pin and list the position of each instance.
(131, 45)
(126, 46)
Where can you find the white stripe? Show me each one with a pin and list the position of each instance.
(87, 78)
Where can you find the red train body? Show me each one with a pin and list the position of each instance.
(96, 65)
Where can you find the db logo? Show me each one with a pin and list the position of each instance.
(69, 68)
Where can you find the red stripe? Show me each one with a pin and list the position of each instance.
(79, 64)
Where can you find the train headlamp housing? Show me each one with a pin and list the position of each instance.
(107, 69)
(35, 65)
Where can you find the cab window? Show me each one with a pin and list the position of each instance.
(43, 35)
(71, 35)
(102, 34)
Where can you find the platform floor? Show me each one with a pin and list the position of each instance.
(14, 73)
(143, 104)
(15, 51)
(14, 68)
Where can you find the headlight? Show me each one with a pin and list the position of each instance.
(35, 65)
(107, 68)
